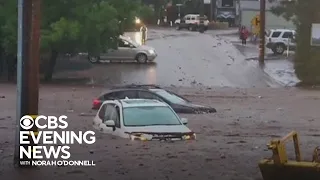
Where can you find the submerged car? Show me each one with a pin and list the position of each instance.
(178, 103)
(141, 119)
(128, 50)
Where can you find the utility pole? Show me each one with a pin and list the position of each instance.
(211, 11)
(179, 10)
(28, 57)
(262, 31)
(201, 13)
(201, 25)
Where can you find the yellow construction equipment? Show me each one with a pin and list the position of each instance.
(279, 167)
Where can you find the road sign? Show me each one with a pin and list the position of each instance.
(256, 21)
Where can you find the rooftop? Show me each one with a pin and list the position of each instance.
(141, 103)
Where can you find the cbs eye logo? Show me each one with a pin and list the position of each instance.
(26, 122)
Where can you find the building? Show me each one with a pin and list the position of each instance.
(250, 9)
(227, 11)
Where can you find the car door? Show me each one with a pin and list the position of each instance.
(102, 116)
(286, 36)
(193, 19)
(112, 112)
(110, 54)
(188, 21)
(288, 39)
(183, 21)
(115, 115)
(275, 36)
(126, 50)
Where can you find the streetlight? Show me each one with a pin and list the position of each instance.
(137, 21)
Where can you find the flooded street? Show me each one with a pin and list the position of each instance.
(229, 144)
(184, 59)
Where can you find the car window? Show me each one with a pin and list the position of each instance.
(126, 94)
(108, 96)
(171, 97)
(112, 113)
(148, 95)
(193, 18)
(287, 35)
(188, 18)
(123, 43)
(102, 112)
(108, 112)
(276, 34)
(149, 116)
(116, 116)
(130, 41)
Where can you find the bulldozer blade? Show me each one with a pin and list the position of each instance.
(292, 170)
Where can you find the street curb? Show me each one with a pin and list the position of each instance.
(267, 58)
(263, 70)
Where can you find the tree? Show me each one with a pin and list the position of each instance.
(8, 36)
(72, 26)
(77, 26)
(306, 60)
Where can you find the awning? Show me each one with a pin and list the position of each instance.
(226, 14)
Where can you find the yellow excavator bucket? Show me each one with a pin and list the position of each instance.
(280, 168)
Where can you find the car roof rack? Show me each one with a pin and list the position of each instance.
(137, 86)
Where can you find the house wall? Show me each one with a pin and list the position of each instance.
(272, 21)
(234, 9)
(219, 4)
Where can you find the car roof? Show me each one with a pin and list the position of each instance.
(288, 30)
(144, 86)
(192, 14)
(141, 103)
(122, 89)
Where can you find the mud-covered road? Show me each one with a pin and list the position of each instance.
(228, 147)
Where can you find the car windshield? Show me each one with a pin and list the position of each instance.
(149, 116)
(171, 97)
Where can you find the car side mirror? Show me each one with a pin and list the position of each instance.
(184, 121)
(110, 123)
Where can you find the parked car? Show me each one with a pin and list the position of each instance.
(127, 50)
(280, 40)
(191, 22)
(178, 103)
(141, 119)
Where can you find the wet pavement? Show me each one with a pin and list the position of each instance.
(278, 67)
(184, 59)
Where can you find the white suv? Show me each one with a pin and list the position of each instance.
(280, 40)
(141, 119)
(191, 22)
